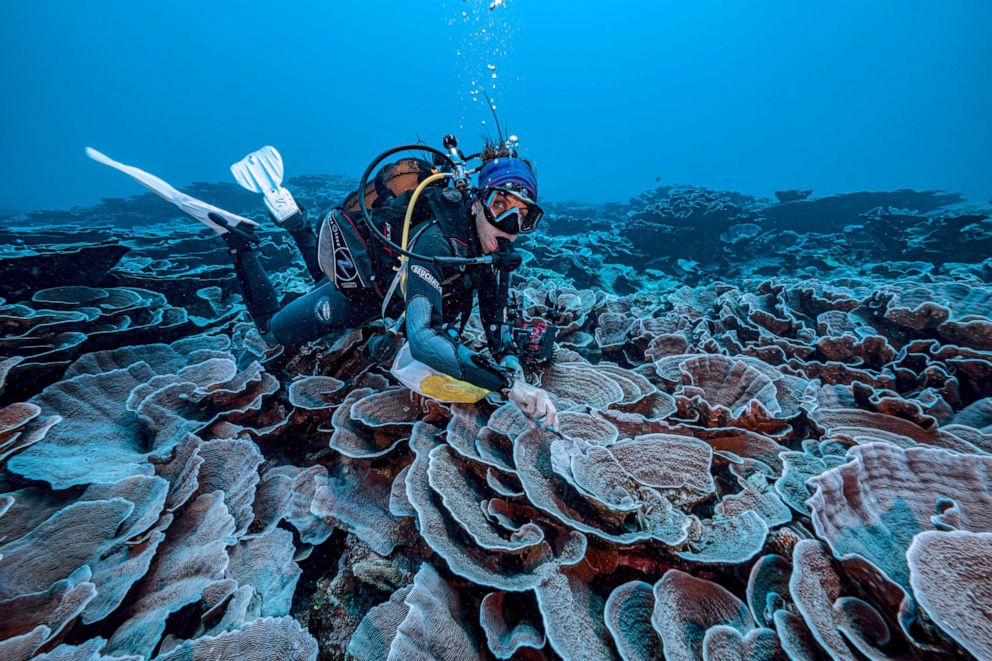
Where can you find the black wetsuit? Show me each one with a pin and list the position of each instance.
(438, 299)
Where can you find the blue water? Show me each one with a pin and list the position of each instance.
(607, 98)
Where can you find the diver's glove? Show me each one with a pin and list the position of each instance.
(535, 403)
(512, 363)
(382, 347)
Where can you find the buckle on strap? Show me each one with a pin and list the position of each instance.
(400, 276)
(400, 272)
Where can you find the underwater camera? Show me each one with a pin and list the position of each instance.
(533, 339)
(535, 342)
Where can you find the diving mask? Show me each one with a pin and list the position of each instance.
(514, 219)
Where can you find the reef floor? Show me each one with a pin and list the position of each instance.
(776, 443)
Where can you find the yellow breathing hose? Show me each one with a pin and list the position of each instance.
(409, 216)
(435, 385)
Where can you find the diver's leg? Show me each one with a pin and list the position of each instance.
(321, 312)
(301, 228)
(259, 295)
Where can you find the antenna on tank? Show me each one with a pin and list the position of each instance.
(492, 109)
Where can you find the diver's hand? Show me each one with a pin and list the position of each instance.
(535, 403)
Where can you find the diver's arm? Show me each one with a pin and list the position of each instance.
(431, 346)
(500, 343)
(429, 343)
(532, 400)
(492, 314)
(438, 350)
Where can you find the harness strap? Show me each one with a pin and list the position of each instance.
(466, 314)
(398, 278)
(392, 290)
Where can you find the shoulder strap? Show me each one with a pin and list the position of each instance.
(401, 271)
(466, 313)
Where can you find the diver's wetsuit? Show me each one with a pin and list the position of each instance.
(438, 298)
(321, 311)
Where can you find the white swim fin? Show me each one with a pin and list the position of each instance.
(261, 172)
(215, 218)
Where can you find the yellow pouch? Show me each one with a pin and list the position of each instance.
(430, 383)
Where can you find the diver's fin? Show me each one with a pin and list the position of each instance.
(215, 218)
(261, 172)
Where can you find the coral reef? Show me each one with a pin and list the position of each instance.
(776, 427)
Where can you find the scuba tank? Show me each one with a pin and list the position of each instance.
(345, 251)
(347, 254)
(392, 181)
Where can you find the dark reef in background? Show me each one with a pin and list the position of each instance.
(692, 233)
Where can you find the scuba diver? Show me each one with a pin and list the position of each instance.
(456, 241)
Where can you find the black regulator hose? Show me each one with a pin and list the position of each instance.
(506, 260)
(367, 216)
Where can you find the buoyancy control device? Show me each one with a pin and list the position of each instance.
(533, 339)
